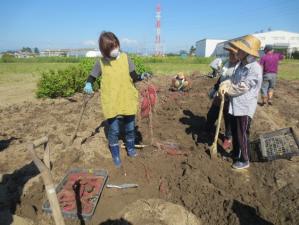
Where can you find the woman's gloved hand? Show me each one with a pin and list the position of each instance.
(88, 88)
(224, 87)
(212, 93)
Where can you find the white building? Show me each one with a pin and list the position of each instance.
(206, 47)
(80, 52)
(52, 52)
(93, 54)
(287, 42)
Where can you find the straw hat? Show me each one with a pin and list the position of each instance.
(230, 48)
(180, 75)
(248, 44)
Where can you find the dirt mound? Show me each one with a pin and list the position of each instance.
(267, 193)
(158, 212)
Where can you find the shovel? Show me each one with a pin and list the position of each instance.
(122, 186)
(86, 99)
(213, 150)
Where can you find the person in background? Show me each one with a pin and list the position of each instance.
(180, 83)
(269, 63)
(243, 89)
(226, 72)
(216, 66)
(119, 97)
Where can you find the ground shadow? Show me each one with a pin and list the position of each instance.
(11, 190)
(104, 125)
(196, 127)
(248, 215)
(120, 221)
(5, 143)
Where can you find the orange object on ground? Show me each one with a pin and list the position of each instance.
(79, 190)
(149, 99)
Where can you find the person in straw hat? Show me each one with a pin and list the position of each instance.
(226, 72)
(243, 89)
(180, 83)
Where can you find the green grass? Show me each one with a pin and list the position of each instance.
(177, 59)
(52, 59)
(26, 72)
(173, 68)
(288, 72)
(288, 69)
(30, 72)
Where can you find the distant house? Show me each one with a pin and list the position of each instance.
(80, 52)
(52, 52)
(20, 54)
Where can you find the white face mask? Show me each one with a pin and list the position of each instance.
(114, 53)
(250, 59)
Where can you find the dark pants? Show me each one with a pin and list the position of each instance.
(240, 126)
(114, 130)
(212, 117)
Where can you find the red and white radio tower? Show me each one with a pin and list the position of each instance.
(158, 29)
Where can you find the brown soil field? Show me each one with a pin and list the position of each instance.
(266, 193)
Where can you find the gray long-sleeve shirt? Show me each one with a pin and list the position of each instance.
(97, 70)
(244, 90)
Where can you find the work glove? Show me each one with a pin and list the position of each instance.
(88, 88)
(212, 93)
(145, 75)
(224, 87)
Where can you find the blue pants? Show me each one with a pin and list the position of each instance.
(114, 130)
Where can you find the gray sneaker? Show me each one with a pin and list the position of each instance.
(240, 165)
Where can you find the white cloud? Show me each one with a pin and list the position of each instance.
(129, 42)
(91, 43)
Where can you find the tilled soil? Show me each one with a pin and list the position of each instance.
(266, 193)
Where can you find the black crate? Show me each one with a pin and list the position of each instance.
(280, 144)
(73, 215)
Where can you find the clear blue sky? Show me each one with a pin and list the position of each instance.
(77, 24)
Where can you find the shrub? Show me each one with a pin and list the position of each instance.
(63, 83)
(7, 58)
(140, 67)
(295, 55)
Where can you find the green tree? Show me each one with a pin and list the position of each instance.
(295, 55)
(26, 49)
(36, 50)
(192, 50)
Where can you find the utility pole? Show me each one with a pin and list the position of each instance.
(158, 51)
